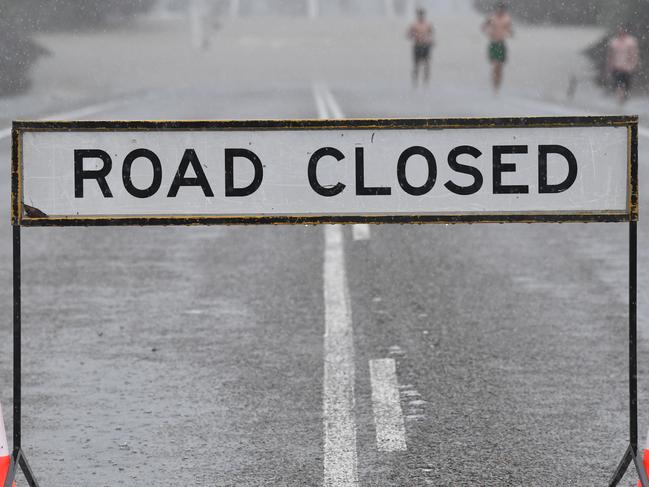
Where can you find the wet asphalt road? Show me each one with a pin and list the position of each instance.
(167, 356)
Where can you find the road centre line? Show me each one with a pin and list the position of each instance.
(361, 232)
(334, 107)
(320, 102)
(388, 416)
(328, 106)
(340, 456)
(339, 421)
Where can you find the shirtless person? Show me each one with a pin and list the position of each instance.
(622, 61)
(421, 35)
(498, 28)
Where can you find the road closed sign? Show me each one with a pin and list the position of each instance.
(403, 171)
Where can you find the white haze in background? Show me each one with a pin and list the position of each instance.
(310, 8)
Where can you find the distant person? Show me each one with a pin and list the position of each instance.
(622, 61)
(498, 28)
(422, 36)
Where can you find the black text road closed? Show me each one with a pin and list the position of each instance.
(423, 170)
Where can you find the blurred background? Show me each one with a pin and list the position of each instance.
(205, 345)
(68, 51)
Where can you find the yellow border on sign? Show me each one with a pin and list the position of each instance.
(20, 218)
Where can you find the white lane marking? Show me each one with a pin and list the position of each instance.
(74, 114)
(388, 416)
(361, 232)
(332, 108)
(320, 102)
(339, 422)
(340, 457)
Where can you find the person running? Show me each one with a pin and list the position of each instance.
(622, 61)
(422, 36)
(498, 28)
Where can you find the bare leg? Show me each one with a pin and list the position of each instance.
(497, 75)
(426, 70)
(621, 80)
(622, 95)
(415, 73)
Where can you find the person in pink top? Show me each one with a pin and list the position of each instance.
(421, 34)
(622, 61)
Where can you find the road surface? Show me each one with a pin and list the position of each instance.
(330, 356)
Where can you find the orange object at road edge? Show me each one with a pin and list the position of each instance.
(645, 463)
(5, 456)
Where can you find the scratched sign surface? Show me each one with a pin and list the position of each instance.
(323, 171)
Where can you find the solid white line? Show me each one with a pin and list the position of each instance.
(340, 457)
(388, 417)
(323, 93)
(361, 232)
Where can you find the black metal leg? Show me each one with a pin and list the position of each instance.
(632, 450)
(633, 338)
(631, 453)
(633, 351)
(621, 468)
(18, 459)
(27, 471)
(17, 337)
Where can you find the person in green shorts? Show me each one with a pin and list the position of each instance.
(498, 28)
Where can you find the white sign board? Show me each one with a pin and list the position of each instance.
(362, 170)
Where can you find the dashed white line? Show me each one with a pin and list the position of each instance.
(320, 102)
(361, 232)
(388, 416)
(340, 456)
(334, 107)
